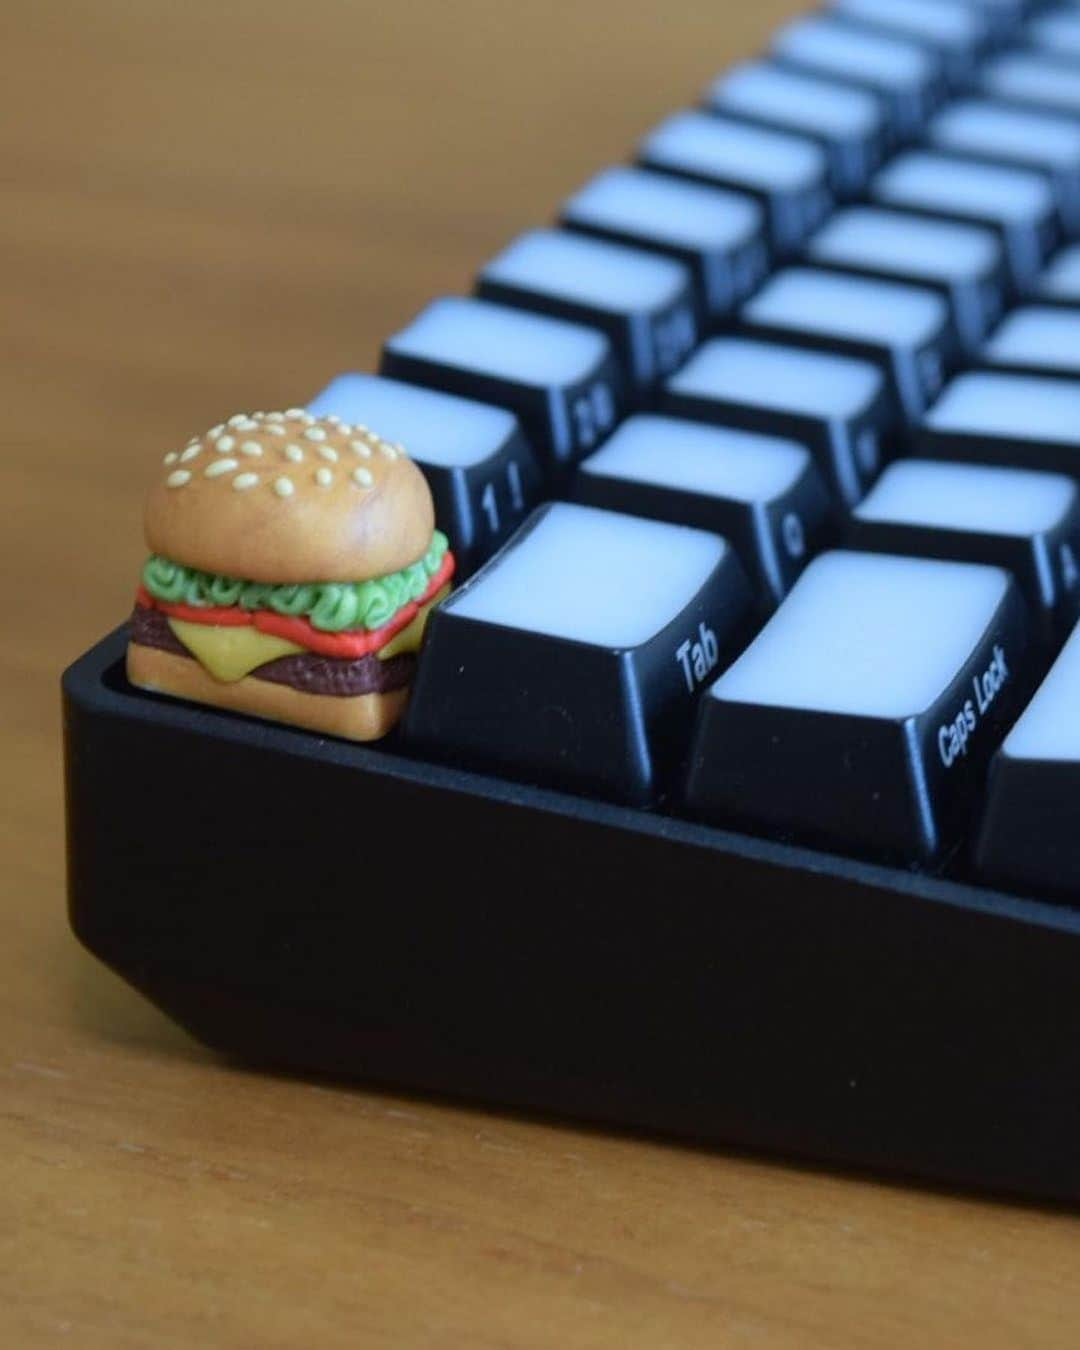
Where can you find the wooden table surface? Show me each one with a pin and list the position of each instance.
(216, 206)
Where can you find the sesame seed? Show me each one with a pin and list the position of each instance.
(178, 478)
(328, 452)
(363, 477)
(171, 457)
(190, 453)
(275, 417)
(295, 414)
(344, 428)
(260, 413)
(294, 453)
(245, 480)
(275, 430)
(238, 419)
(225, 444)
(361, 448)
(220, 466)
(248, 424)
(333, 418)
(283, 486)
(324, 477)
(250, 448)
(402, 452)
(215, 432)
(361, 429)
(387, 451)
(315, 434)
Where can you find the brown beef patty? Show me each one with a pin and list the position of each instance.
(307, 672)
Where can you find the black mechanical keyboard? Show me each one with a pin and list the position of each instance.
(738, 795)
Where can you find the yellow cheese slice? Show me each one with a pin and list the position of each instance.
(230, 653)
(410, 638)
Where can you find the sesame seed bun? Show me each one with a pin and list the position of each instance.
(288, 498)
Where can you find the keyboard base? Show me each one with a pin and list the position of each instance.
(324, 907)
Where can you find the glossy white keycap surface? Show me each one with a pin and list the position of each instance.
(761, 89)
(856, 307)
(591, 271)
(846, 50)
(982, 127)
(952, 25)
(924, 179)
(1062, 275)
(715, 146)
(592, 576)
(693, 457)
(435, 428)
(683, 214)
(1049, 728)
(975, 497)
(1058, 33)
(1026, 407)
(888, 240)
(870, 635)
(509, 343)
(1033, 79)
(1037, 335)
(770, 375)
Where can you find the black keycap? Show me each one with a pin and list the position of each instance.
(906, 76)
(863, 714)
(643, 303)
(1036, 339)
(964, 263)
(838, 407)
(1060, 283)
(1046, 142)
(957, 33)
(560, 378)
(762, 493)
(483, 476)
(719, 235)
(1022, 519)
(1018, 203)
(1034, 79)
(991, 417)
(847, 122)
(573, 659)
(787, 174)
(1029, 838)
(906, 330)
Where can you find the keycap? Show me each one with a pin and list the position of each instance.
(1003, 17)
(863, 714)
(643, 303)
(559, 378)
(574, 657)
(1033, 78)
(1040, 339)
(1049, 143)
(906, 330)
(957, 33)
(991, 417)
(847, 122)
(1029, 838)
(1018, 203)
(963, 263)
(907, 77)
(1056, 33)
(1021, 519)
(719, 235)
(787, 174)
(1060, 283)
(839, 408)
(483, 476)
(762, 493)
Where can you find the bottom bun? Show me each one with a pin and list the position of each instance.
(362, 717)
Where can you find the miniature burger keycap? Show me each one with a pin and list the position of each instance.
(294, 562)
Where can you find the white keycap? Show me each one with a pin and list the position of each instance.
(1061, 280)
(1033, 78)
(791, 98)
(1049, 728)
(1058, 34)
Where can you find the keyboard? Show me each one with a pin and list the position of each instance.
(738, 795)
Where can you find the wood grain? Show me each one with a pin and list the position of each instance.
(216, 206)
